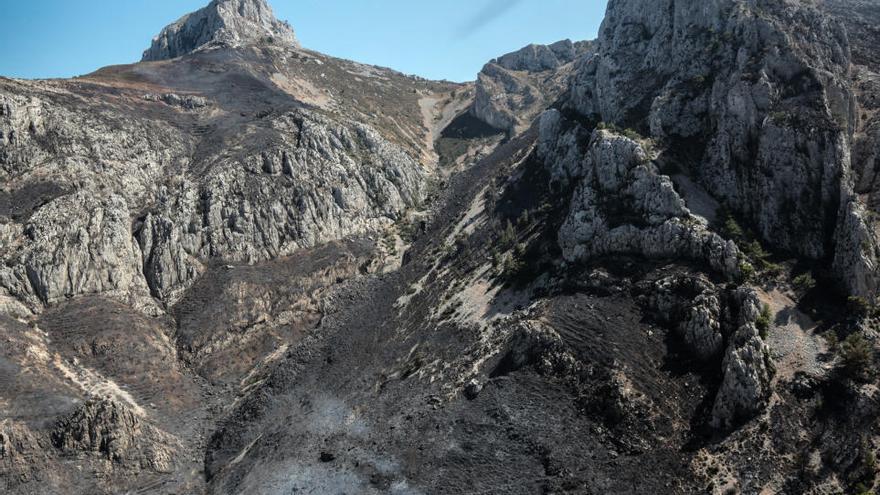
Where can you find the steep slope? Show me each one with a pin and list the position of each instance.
(584, 304)
(252, 268)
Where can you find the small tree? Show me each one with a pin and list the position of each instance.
(763, 321)
(746, 272)
(856, 357)
(804, 282)
(858, 307)
(508, 236)
(524, 218)
(732, 229)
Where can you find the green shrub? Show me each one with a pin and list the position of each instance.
(461, 244)
(858, 307)
(497, 258)
(512, 268)
(764, 320)
(632, 134)
(856, 357)
(869, 459)
(804, 282)
(508, 237)
(755, 251)
(862, 489)
(746, 272)
(732, 229)
(831, 339)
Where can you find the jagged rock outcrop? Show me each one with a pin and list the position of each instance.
(695, 307)
(759, 90)
(250, 192)
(718, 323)
(513, 89)
(622, 204)
(539, 58)
(187, 102)
(747, 368)
(60, 252)
(177, 321)
(226, 22)
(55, 135)
(105, 428)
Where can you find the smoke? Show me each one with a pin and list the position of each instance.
(491, 11)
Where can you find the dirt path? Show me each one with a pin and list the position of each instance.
(428, 105)
(438, 111)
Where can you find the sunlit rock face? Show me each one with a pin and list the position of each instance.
(761, 93)
(228, 22)
(515, 88)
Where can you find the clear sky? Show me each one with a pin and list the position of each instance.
(446, 39)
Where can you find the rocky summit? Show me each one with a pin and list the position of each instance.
(222, 22)
(644, 263)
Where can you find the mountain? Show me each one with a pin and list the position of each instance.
(222, 22)
(641, 264)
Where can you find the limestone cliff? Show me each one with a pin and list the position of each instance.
(222, 22)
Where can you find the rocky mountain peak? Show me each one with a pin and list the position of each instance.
(537, 58)
(229, 22)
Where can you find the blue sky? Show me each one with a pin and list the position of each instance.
(448, 39)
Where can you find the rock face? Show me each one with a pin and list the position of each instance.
(114, 432)
(718, 323)
(164, 202)
(695, 306)
(23, 459)
(227, 22)
(621, 204)
(761, 93)
(540, 58)
(747, 369)
(69, 254)
(513, 89)
(310, 180)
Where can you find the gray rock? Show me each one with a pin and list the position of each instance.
(64, 253)
(717, 322)
(227, 22)
(694, 306)
(472, 389)
(747, 368)
(622, 205)
(539, 58)
(763, 87)
(514, 89)
(297, 179)
(111, 430)
(318, 180)
(188, 102)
